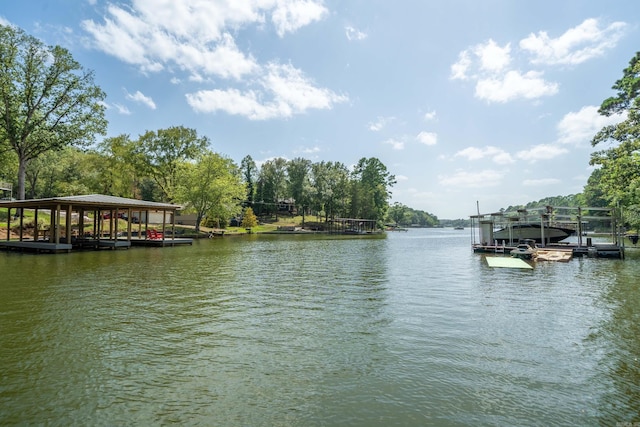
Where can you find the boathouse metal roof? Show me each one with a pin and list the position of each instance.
(90, 201)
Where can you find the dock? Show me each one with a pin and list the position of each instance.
(35, 246)
(78, 223)
(579, 219)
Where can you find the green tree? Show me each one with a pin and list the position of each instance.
(273, 183)
(250, 176)
(211, 187)
(58, 173)
(371, 189)
(330, 183)
(160, 153)
(47, 100)
(116, 170)
(424, 219)
(249, 219)
(619, 165)
(398, 213)
(299, 185)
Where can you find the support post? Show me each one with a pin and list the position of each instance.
(68, 224)
(56, 229)
(8, 224)
(21, 225)
(129, 224)
(36, 232)
(173, 225)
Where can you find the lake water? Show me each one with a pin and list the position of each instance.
(409, 330)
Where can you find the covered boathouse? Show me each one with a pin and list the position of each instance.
(80, 222)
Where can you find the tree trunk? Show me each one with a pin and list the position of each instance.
(22, 172)
(199, 217)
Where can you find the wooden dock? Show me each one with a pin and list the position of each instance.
(598, 250)
(35, 246)
(161, 242)
(78, 223)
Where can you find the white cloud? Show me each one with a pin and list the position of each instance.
(290, 15)
(465, 179)
(430, 115)
(396, 144)
(122, 109)
(309, 150)
(540, 182)
(576, 45)
(578, 128)
(497, 79)
(402, 178)
(292, 88)
(141, 98)
(461, 66)
(197, 37)
(497, 155)
(490, 57)
(153, 44)
(291, 93)
(502, 158)
(353, 34)
(380, 123)
(514, 85)
(541, 152)
(427, 138)
(493, 58)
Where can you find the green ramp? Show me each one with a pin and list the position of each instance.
(507, 262)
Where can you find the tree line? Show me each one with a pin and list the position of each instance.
(51, 113)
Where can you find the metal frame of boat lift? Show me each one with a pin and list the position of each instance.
(575, 217)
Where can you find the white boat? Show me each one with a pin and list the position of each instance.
(525, 250)
(520, 232)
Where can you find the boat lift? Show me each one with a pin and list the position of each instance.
(483, 227)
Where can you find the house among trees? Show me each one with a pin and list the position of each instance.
(287, 205)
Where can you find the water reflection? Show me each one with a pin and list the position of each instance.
(413, 329)
(617, 343)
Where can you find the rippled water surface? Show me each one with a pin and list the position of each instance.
(411, 329)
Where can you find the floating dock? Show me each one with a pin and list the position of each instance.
(507, 262)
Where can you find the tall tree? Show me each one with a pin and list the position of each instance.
(330, 183)
(250, 176)
(620, 164)
(210, 187)
(299, 186)
(160, 153)
(398, 213)
(273, 177)
(117, 172)
(371, 189)
(59, 173)
(47, 100)
(592, 194)
(337, 199)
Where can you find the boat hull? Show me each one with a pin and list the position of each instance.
(533, 232)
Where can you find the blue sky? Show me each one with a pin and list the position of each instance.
(464, 101)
